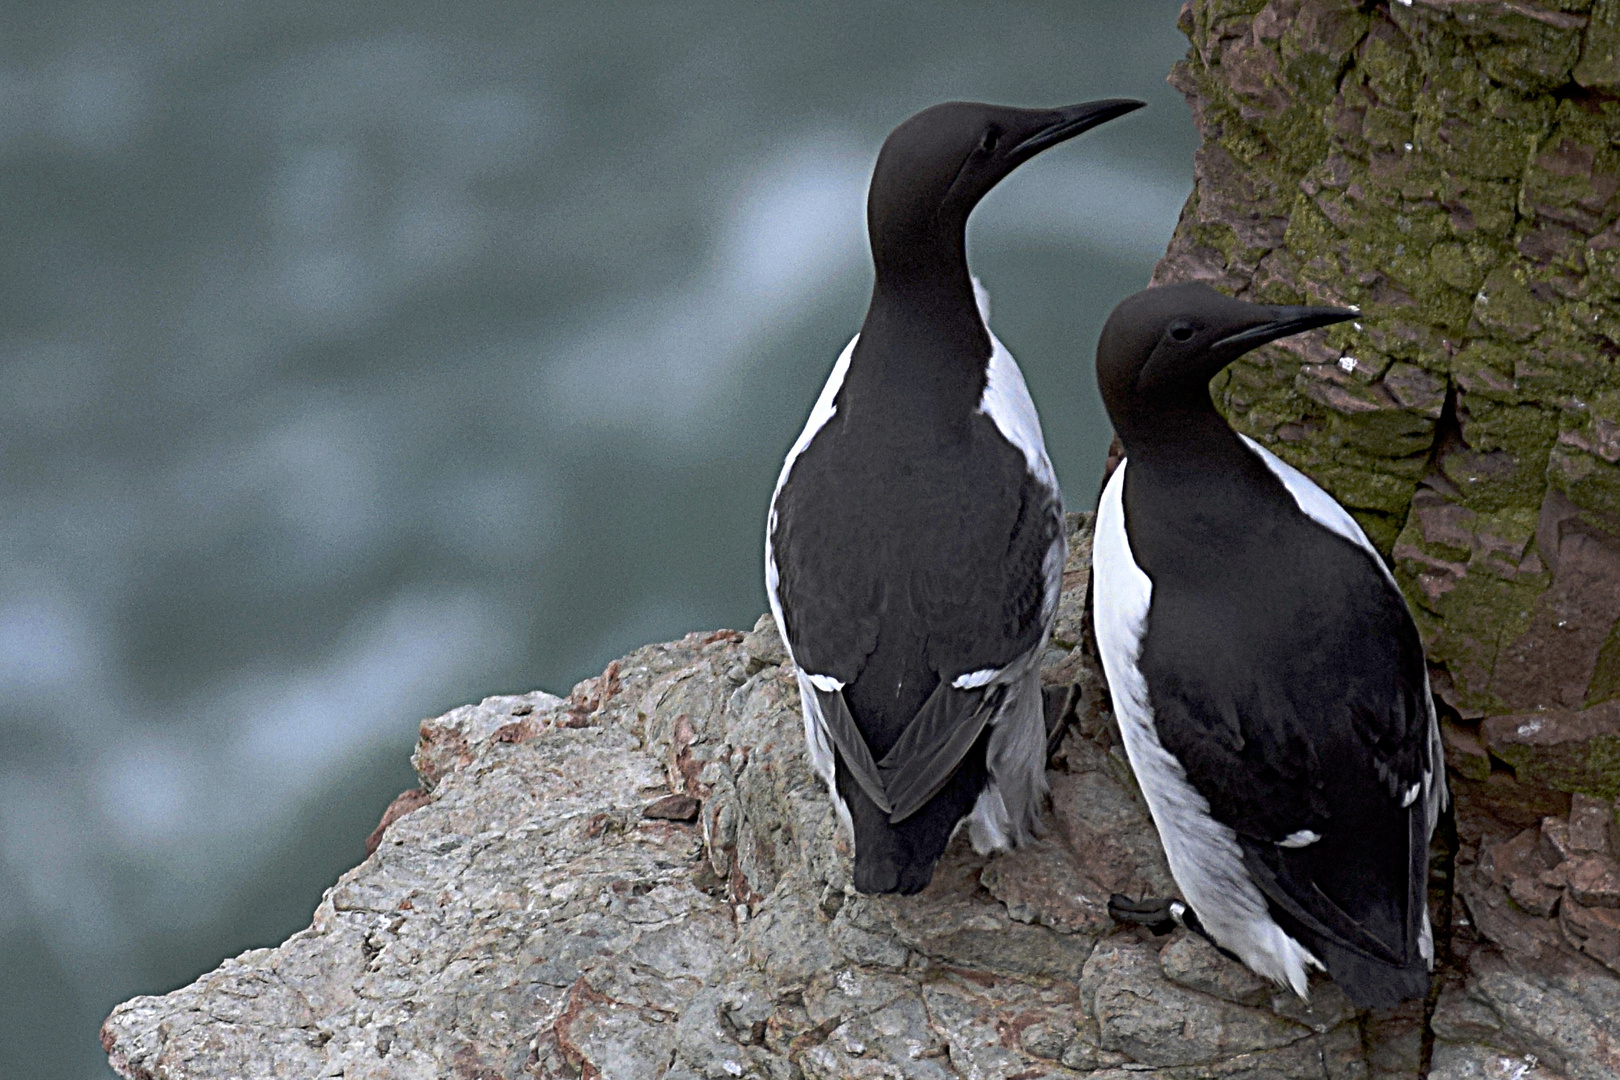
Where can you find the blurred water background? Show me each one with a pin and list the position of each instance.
(363, 360)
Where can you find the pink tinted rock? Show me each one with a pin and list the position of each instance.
(1589, 820)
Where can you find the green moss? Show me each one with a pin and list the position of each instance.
(1246, 145)
(1394, 434)
(1309, 231)
(1390, 70)
(1347, 477)
(1589, 482)
(1429, 175)
(1599, 67)
(1572, 169)
(1412, 536)
(1486, 371)
(1528, 55)
(1485, 208)
(1506, 462)
(1522, 430)
(1515, 524)
(1559, 367)
(1505, 306)
(1381, 529)
(1214, 13)
(1592, 769)
(1462, 266)
(1474, 620)
(1591, 325)
(1605, 684)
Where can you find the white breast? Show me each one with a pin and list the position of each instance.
(1203, 853)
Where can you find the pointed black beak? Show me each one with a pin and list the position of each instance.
(1058, 125)
(1283, 322)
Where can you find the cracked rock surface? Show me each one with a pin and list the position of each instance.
(1452, 167)
(645, 881)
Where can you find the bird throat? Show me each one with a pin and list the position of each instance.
(1187, 434)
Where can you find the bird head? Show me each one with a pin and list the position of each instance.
(1161, 346)
(934, 168)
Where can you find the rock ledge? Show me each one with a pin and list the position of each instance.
(645, 880)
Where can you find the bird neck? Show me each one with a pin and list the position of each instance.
(1185, 437)
(934, 310)
(924, 349)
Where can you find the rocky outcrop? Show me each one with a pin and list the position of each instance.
(645, 880)
(1451, 166)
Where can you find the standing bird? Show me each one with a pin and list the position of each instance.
(915, 544)
(1266, 673)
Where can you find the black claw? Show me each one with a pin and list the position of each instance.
(1060, 703)
(1157, 915)
(1161, 916)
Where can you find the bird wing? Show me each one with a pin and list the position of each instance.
(934, 744)
(1289, 879)
(1301, 714)
(1326, 511)
(1010, 603)
(831, 712)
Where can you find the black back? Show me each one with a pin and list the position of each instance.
(910, 535)
(910, 556)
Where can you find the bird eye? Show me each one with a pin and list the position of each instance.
(1181, 332)
(992, 139)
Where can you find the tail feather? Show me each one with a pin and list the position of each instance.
(999, 785)
(901, 857)
(1379, 949)
(1009, 810)
(1369, 983)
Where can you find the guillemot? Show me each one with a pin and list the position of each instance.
(1268, 679)
(915, 544)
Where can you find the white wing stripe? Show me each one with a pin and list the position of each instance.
(975, 679)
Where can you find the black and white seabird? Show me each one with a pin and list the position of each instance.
(915, 544)
(1268, 679)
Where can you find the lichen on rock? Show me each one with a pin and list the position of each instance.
(1453, 169)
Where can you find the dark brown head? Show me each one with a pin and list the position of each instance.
(934, 168)
(1160, 348)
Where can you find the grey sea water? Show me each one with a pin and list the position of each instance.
(357, 361)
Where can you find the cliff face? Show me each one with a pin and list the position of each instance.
(645, 880)
(1452, 166)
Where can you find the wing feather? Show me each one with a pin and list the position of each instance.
(851, 744)
(934, 744)
(1302, 899)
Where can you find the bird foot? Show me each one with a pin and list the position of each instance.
(1059, 703)
(1160, 915)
